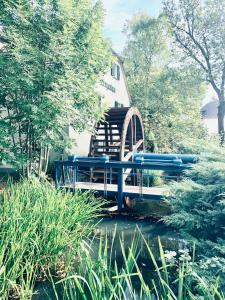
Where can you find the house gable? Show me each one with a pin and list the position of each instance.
(113, 86)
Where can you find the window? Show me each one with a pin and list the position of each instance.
(117, 104)
(115, 71)
(203, 114)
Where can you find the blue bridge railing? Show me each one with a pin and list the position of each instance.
(121, 178)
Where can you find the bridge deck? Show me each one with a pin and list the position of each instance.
(111, 189)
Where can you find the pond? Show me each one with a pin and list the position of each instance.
(125, 228)
(122, 229)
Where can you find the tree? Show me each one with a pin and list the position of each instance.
(52, 54)
(167, 94)
(199, 30)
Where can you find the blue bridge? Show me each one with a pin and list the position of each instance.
(121, 179)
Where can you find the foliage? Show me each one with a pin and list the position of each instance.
(198, 208)
(41, 231)
(167, 95)
(208, 144)
(52, 54)
(199, 30)
(105, 278)
(153, 178)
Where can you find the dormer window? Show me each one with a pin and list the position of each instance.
(115, 71)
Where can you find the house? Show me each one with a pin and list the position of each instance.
(209, 113)
(114, 92)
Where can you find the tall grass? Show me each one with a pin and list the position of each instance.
(41, 230)
(104, 279)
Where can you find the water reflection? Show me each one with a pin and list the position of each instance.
(126, 228)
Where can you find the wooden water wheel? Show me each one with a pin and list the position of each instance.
(120, 135)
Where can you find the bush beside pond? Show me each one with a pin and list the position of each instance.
(198, 209)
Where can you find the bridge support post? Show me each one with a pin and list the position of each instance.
(74, 177)
(120, 184)
(57, 175)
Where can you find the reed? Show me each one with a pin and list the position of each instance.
(104, 279)
(41, 230)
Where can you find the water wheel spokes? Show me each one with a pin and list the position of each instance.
(119, 136)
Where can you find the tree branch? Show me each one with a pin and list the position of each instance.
(205, 54)
(190, 52)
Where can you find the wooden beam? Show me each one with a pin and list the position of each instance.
(129, 155)
(135, 147)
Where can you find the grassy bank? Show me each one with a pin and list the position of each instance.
(41, 230)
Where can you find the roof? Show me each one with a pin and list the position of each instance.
(210, 110)
(121, 59)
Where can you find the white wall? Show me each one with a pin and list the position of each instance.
(211, 125)
(121, 94)
(81, 142)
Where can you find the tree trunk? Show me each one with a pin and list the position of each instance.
(221, 114)
(43, 161)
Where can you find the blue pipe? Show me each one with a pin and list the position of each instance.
(102, 158)
(173, 158)
(176, 161)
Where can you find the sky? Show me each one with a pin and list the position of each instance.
(118, 11)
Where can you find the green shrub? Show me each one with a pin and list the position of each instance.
(198, 209)
(41, 231)
(153, 178)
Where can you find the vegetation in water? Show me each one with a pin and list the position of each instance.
(171, 276)
(41, 230)
(43, 234)
(198, 209)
